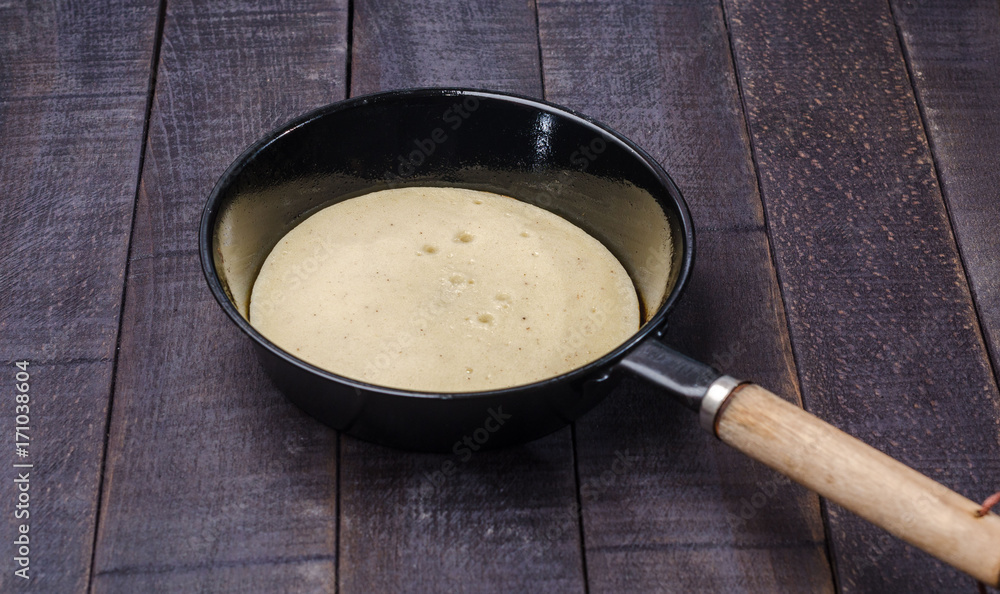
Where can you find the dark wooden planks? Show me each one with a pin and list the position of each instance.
(953, 49)
(214, 481)
(73, 96)
(297, 575)
(430, 43)
(881, 318)
(666, 507)
(208, 467)
(242, 70)
(501, 521)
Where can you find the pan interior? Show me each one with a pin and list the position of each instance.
(530, 152)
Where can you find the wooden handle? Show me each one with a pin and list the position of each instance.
(885, 492)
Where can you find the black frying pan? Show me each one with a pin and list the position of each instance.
(603, 183)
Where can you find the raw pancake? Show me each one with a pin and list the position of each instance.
(443, 290)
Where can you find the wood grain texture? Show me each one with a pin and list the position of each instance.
(214, 482)
(953, 49)
(856, 476)
(72, 104)
(500, 521)
(666, 507)
(294, 575)
(881, 318)
(209, 468)
(422, 43)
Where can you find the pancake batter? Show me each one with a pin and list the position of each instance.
(443, 290)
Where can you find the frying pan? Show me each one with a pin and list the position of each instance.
(597, 179)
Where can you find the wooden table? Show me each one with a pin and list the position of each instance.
(840, 159)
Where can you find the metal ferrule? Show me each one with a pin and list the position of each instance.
(716, 396)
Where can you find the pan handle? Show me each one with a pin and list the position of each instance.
(835, 465)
